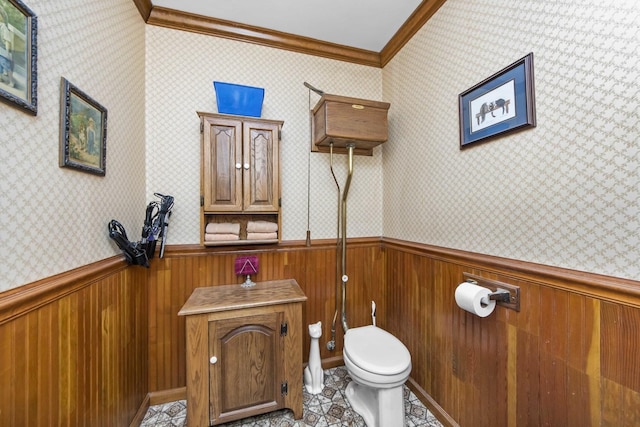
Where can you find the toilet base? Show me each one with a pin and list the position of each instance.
(382, 407)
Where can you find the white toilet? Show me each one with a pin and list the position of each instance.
(379, 365)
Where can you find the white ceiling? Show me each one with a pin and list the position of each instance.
(363, 24)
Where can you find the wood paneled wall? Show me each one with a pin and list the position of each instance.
(85, 347)
(568, 358)
(73, 349)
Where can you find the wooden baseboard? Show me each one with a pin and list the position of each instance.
(157, 398)
(142, 411)
(166, 396)
(431, 404)
(332, 362)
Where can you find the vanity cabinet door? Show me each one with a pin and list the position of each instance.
(245, 367)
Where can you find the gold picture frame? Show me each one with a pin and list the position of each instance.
(83, 131)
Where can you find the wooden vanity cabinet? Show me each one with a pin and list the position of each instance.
(240, 169)
(244, 351)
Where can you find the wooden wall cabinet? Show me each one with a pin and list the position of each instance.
(240, 171)
(244, 351)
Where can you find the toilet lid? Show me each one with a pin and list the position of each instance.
(376, 350)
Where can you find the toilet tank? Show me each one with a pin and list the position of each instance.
(342, 120)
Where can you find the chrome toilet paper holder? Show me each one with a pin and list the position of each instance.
(504, 294)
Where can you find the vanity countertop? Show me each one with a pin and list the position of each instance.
(233, 297)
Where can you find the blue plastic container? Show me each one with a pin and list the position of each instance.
(239, 99)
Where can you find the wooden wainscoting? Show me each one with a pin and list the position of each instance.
(85, 347)
(184, 268)
(570, 357)
(73, 348)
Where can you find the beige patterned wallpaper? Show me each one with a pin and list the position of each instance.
(566, 193)
(181, 68)
(54, 219)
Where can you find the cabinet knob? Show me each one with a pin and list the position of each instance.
(213, 360)
(238, 166)
(246, 166)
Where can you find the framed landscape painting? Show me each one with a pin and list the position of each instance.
(83, 131)
(18, 56)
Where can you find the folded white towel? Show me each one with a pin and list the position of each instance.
(212, 237)
(261, 227)
(222, 228)
(262, 236)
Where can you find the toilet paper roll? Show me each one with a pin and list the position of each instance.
(474, 299)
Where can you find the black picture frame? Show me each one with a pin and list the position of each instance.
(500, 104)
(18, 56)
(83, 131)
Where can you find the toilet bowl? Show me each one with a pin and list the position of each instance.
(379, 364)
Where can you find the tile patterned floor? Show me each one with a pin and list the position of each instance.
(329, 408)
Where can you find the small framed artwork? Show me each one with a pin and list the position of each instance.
(83, 131)
(18, 56)
(500, 104)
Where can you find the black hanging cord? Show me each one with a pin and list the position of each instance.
(155, 228)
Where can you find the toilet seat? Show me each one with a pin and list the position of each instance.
(377, 351)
